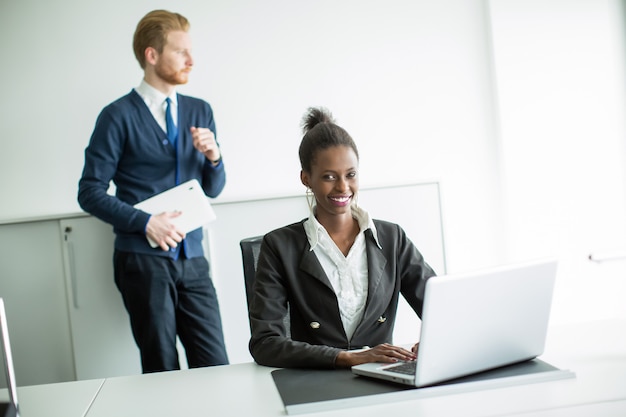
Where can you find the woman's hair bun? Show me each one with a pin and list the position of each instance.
(315, 116)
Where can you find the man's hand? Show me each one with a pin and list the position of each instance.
(204, 142)
(161, 230)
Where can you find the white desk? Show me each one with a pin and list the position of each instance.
(64, 399)
(595, 351)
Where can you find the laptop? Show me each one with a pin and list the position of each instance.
(475, 322)
(189, 199)
(9, 409)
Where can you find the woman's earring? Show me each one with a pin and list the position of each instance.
(310, 198)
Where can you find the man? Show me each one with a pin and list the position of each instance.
(146, 144)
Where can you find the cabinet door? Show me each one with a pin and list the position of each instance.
(33, 289)
(101, 336)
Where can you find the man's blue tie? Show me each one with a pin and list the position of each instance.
(172, 130)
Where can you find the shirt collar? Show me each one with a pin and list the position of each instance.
(151, 94)
(313, 228)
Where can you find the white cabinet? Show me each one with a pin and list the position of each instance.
(66, 318)
(101, 337)
(33, 288)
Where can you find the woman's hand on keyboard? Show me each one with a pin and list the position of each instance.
(384, 353)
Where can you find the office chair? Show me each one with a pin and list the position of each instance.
(250, 248)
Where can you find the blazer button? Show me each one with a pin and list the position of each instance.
(314, 325)
(382, 319)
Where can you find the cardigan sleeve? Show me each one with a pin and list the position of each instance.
(102, 157)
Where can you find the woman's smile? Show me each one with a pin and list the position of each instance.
(340, 200)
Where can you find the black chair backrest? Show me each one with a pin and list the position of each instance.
(250, 248)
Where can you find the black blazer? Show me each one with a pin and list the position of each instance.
(288, 272)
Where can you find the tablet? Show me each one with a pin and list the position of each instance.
(189, 199)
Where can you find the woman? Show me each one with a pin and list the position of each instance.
(337, 274)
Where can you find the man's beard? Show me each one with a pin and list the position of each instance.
(172, 77)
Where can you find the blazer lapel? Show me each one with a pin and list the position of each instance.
(379, 288)
(311, 265)
(376, 263)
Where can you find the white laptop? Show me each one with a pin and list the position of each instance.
(475, 322)
(189, 199)
(9, 409)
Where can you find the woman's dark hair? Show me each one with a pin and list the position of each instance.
(321, 132)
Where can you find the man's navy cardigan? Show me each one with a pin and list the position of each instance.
(129, 147)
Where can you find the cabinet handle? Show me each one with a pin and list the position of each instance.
(73, 281)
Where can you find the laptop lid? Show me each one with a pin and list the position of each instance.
(10, 409)
(477, 321)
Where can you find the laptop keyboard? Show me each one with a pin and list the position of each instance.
(407, 368)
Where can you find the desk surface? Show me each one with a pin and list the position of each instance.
(595, 351)
(66, 399)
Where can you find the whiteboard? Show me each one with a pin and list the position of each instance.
(415, 207)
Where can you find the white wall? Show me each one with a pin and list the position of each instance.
(409, 80)
(560, 77)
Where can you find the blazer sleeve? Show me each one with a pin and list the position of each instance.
(413, 272)
(269, 344)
